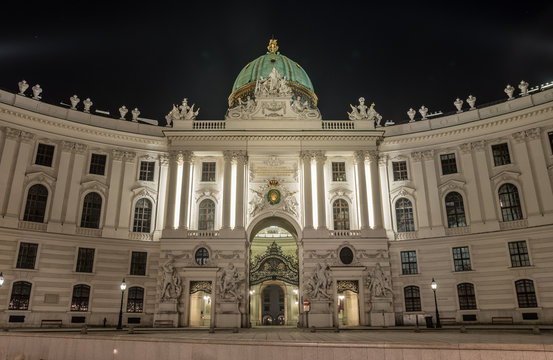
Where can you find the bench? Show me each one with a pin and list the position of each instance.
(163, 323)
(56, 323)
(448, 320)
(502, 320)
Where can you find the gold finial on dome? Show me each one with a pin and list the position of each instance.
(273, 47)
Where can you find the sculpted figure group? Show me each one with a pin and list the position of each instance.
(318, 286)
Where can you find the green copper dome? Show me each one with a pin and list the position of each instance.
(263, 65)
(244, 85)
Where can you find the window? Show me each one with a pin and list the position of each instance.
(400, 170)
(98, 164)
(412, 298)
(138, 263)
(142, 216)
(44, 155)
(92, 207)
(346, 255)
(338, 171)
(501, 154)
(409, 262)
(455, 210)
(207, 215)
(404, 216)
(519, 254)
(27, 256)
(21, 293)
(526, 294)
(85, 260)
(340, 211)
(201, 256)
(550, 136)
(461, 258)
(35, 208)
(509, 202)
(467, 298)
(135, 300)
(79, 301)
(208, 171)
(147, 170)
(449, 165)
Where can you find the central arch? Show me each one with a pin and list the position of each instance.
(273, 270)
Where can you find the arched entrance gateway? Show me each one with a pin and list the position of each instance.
(273, 273)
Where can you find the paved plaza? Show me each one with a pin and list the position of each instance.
(279, 343)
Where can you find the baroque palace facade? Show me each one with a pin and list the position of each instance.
(237, 222)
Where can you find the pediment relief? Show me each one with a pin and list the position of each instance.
(148, 157)
(142, 191)
(505, 175)
(451, 185)
(340, 192)
(94, 185)
(207, 193)
(40, 177)
(403, 191)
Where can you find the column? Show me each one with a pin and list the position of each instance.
(384, 193)
(6, 163)
(16, 189)
(187, 158)
(112, 208)
(175, 158)
(162, 192)
(432, 183)
(129, 178)
(375, 190)
(423, 213)
(320, 159)
(485, 192)
(306, 157)
(241, 161)
(539, 167)
(359, 160)
(61, 184)
(73, 201)
(227, 189)
(473, 198)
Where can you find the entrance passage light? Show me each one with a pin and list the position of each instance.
(252, 292)
(341, 297)
(1, 279)
(295, 291)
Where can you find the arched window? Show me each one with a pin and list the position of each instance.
(467, 298)
(37, 196)
(509, 202)
(142, 216)
(81, 295)
(206, 218)
(526, 294)
(92, 208)
(340, 211)
(135, 300)
(412, 298)
(201, 256)
(21, 293)
(404, 215)
(455, 210)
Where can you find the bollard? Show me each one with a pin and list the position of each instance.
(84, 330)
(463, 329)
(313, 329)
(536, 330)
(417, 329)
(235, 330)
(211, 330)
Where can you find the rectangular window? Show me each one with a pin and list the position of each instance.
(400, 170)
(519, 254)
(138, 263)
(27, 256)
(501, 154)
(461, 258)
(98, 164)
(85, 260)
(208, 171)
(550, 137)
(409, 262)
(338, 171)
(449, 165)
(147, 170)
(44, 155)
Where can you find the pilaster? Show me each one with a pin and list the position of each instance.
(9, 153)
(58, 199)
(539, 169)
(241, 161)
(187, 159)
(129, 178)
(320, 160)
(112, 207)
(306, 157)
(529, 187)
(485, 192)
(162, 192)
(423, 212)
(435, 206)
(73, 201)
(359, 160)
(227, 188)
(472, 202)
(375, 190)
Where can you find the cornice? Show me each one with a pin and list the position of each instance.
(477, 126)
(219, 137)
(86, 130)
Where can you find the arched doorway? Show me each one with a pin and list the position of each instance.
(273, 273)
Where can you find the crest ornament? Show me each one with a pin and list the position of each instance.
(273, 195)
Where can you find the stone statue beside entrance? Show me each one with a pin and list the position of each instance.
(378, 283)
(229, 282)
(319, 285)
(170, 288)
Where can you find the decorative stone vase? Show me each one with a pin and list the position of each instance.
(509, 90)
(471, 100)
(23, 86)
(123, 112)
(423, 111)
(458, 105)
(135, 114)
(37, 90)
(523, 86)
(87, 104)
(411, 113)
(74, 101)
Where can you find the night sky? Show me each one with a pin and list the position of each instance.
(398, 56)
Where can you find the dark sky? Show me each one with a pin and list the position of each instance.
(395, 55)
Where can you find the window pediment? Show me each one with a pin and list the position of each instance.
(95, 186)
(41, 177)
(451, 185)
(505, 175)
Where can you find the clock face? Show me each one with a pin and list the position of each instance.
(273, 196)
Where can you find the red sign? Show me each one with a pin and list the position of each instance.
(306, 302)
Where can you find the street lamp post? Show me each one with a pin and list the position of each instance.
(123, 286)
(434, 287)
